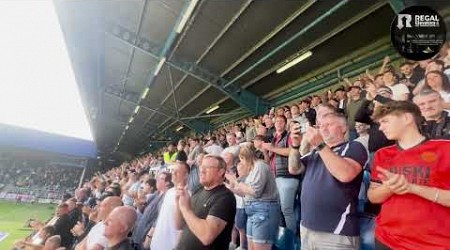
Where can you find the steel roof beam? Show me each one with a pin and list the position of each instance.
(243, 97)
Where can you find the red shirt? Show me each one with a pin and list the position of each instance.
(409, 222)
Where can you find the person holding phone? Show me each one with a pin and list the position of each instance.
(333, 172)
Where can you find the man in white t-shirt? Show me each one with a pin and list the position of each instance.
(95, 239)
(165, 235)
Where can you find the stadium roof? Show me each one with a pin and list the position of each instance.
(195, 55)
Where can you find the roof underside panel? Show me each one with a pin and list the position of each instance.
(211, 19)
(326, 53)
(251, 27)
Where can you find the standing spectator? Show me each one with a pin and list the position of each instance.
(233, 146)
(195, 150)
(437, 120)
(181, 154)
(308, 112)
(315, 101)
(165, 236)
(400, 91)
(95, 238)
(63, 225)
(439, 82)
(260, 153)
(207, 217)
(287, 183)
(250, 130)
(193, 178)
(363, 135)
(354, 103)
(145, 225)
(214, 148)
(340, 95)
(261, 200)
(171, 154)
(411, 75)
(131, 189)
(295, 112)
(412, 181)
(117, 227)
(374, 98)
(332, 170)
(270, 128)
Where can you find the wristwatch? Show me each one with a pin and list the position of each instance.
(321, 146)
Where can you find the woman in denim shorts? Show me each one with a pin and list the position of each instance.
(261, 200)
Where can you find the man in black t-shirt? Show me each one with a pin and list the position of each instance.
(207, 218)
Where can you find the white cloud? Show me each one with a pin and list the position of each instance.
(37, 83)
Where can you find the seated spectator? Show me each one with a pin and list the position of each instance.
(411, 180)
(333, 170)
(118, 225)
(437, 120)
(207, 217)
(261, 200)
(165, 235)
(94, 238)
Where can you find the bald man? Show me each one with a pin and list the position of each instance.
(95, 240)
(117, 227)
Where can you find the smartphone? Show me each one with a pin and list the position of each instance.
(303, 126)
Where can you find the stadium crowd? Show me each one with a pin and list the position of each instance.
(47, 176)
(366, 166)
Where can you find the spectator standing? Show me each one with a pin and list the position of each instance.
(145, 225)
(437, 120)
(400, 91)
(196, 149)
(332, 170)
(207, 217)
(165, 235)
(261, 200)
(94, 238)
(287, 183)
(354, 103)
(412, 181)
(117, 227)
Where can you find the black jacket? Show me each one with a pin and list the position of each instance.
(377, 139)
(439, 129)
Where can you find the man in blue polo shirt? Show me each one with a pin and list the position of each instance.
(332, 179)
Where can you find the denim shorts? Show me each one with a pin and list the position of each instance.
(240, 221)
(263, 220)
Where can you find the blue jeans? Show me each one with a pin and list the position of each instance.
(263, 218)
(367, 231)
(287, 187)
